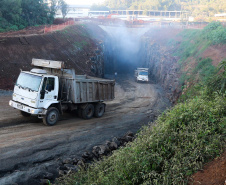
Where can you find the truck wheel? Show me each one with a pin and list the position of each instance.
(99, 110)
(88, 112)
(25, 114)
(51, 116)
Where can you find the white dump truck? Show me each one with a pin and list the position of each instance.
(141, 75)
(49, 89)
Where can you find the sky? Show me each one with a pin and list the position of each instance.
(83, 2)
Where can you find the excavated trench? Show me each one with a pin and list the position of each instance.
(32, 153)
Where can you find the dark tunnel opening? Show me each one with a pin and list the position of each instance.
(122, 50)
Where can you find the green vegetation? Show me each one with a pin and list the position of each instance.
(18, 14)
(215, 32)
(179, 143)
(201, 8)
(194, 42)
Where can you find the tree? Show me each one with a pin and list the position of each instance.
(53, 9)
(18, 14)
(64, 8)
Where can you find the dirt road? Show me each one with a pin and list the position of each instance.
(28, 149)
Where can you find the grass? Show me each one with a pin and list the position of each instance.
(193, 44)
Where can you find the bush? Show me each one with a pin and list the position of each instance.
(204, 69)
(217, 82)
(215, 32)
(14, 28)
(21, 27)
(2, 30)
(212, 26)
(218, 36)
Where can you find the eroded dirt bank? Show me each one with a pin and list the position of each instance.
(75, 45)
(30, 150)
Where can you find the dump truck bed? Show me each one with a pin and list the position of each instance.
(84, 89)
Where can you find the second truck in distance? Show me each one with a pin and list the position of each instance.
(141, 75)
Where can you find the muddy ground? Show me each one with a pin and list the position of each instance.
(29, 149)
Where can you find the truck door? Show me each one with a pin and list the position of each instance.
(49, 91)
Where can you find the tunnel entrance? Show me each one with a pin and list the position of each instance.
(122, 49)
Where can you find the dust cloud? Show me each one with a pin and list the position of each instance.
(123, 48)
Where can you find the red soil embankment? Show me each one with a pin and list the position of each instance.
(73, 45)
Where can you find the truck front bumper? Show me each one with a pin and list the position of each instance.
(26, 108)
(142, 80)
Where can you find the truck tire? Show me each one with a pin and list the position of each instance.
(25, 114)
(51, 117)
(88, 112)
(99, 110)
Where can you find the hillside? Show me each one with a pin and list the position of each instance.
(188, 135)
(74, 45)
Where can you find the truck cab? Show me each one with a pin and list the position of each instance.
(141, 75)
(49, 89)
(34, 92)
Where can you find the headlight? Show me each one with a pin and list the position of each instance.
(32, 111)
(14, 94)
(10, 103)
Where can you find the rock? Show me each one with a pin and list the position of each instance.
(67, 161)
(75, 161)
(116, 141)
(44, 182)
(129, 134)
(73, 169)
(113, 146)
(128, 138)
(95, 152)
(61, 172)
(107, 143)
(103, 149)
(69, 166)
(95, 159)
(81, 163)
(87, 156)
(48, 175)
(62, 167)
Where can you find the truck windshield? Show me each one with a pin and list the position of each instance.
(143, 73)
(29, 81)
